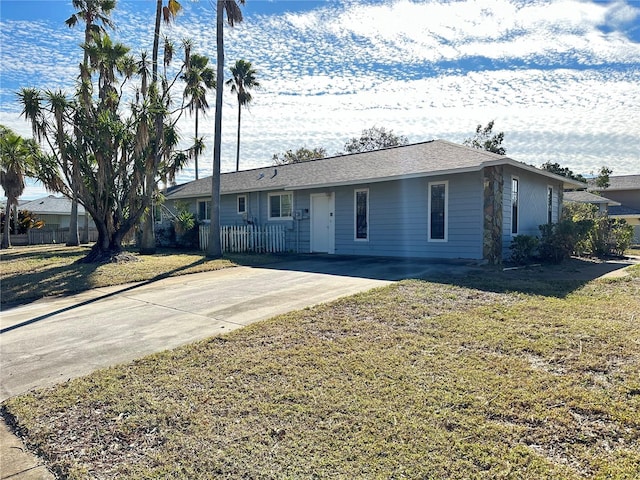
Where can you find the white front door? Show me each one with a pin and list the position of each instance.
(322, 223)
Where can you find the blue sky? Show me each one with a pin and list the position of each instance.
(560, 78)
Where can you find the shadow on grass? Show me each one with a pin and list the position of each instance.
(546, 280)
(129, 288)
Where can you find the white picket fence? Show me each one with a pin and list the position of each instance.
(247, 238)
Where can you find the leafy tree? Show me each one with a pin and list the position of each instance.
(18, 158)
(562, 171)
(484, 139)
(110, 147)
(602, 180)
(27, 220)
(198, 79)
(302, 154)
(242, 80)
(96, 15)
(374, 138)
(234, 15)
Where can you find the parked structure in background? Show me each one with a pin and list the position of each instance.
(434, 199)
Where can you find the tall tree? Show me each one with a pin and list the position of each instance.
(243, 79)
(234, 16)
(198, 78)
(115, 145)
(16, 159)
(374, 138)
(166, 13)
(302, 154)
(96, 15)
(562, 171)
(484, 139)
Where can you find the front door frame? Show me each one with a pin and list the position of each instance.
(331, 225)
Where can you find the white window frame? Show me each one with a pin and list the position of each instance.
(355, 214)
(279, 194)
(207, 210)
(446, 211)
(517, 223)
(240, 212)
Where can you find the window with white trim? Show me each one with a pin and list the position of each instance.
(438, 211)
(204, 210)
(280, 206)
(515, 187)
(361, 214)
(242, 204)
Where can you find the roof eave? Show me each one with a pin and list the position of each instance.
(539, 171)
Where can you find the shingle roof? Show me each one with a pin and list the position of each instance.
(582, 196)
(431, 158)
(623, 211)
(51, 206)
(618, 182)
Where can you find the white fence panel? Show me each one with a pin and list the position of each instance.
(247, 238)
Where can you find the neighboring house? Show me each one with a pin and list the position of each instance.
(582, 196)
(55, 212)
(624, 189)
(434, 199)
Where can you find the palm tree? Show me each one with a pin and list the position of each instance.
(243, 79)
(234, 15)
(91, 12)
(198, 78)
(167, 14)
(15, 163)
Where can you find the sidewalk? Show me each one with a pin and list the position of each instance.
(16, 462)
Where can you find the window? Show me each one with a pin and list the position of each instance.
(204, 210)
(280, 206)
(549, 204)
(514, 206)
(361, 210)
(438, 205)
(242, 204)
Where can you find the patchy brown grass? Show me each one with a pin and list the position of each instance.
(415, 380)
(30, 273)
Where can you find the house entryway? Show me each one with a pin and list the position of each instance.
(322, 222)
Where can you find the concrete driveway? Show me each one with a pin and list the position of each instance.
(53, 340)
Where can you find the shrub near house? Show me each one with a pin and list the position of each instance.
(583, 230)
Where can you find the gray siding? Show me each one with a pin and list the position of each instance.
(532, 209)
(398, 219)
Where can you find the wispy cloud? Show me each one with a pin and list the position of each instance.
(561, 78)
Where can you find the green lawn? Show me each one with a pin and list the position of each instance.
(505, 376)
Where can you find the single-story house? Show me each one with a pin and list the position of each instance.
(624, 189)
(582, 196)
(55, 212)
(434, 199)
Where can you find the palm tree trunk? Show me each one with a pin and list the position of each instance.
(214, 249)
(73, 240)
(6, 235)
(196, 152)
(85, 230)
(238, 144)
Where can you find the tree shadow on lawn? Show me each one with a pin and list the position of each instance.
(68, 274)
(546, 279)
